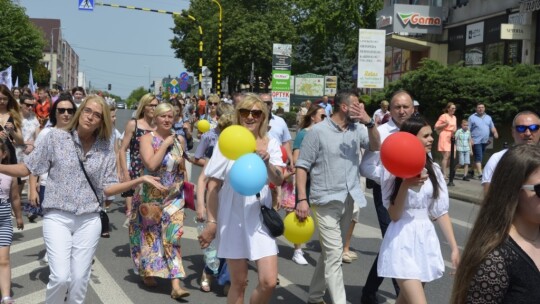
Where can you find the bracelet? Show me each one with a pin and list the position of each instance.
(213, 222)
(301, 200)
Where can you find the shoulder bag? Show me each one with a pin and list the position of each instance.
(102, 214)
(271, 219)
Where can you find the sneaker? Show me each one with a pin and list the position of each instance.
(465, 178)
(368, 298)
(480, 177)
(298, 257)
(7, 300)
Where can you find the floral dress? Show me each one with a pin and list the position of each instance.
(155, 247)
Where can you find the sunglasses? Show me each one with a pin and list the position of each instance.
(213, 103)
(244, 113)
(268, 102)
(523, 129)
(535, 188)
(29, 105)
(70, 111)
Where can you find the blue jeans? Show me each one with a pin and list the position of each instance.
(373, 280)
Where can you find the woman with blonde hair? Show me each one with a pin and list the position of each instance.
(80, 157)
(134, 130)
(446, 126)
(241, 235)
(501, 261)
(160, 214)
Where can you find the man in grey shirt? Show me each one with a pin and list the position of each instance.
(330, 153)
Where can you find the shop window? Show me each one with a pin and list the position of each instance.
(495, 53)
(474, 56)
(513, 55)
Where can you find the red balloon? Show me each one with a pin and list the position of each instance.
(403, 154)
(283, 154)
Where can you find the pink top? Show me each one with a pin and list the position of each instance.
(5, 185)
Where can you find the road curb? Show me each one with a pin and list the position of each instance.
(473, 199)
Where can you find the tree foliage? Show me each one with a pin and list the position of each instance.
(324, 35)
(505, 90)
(135, 96)
(21, 43)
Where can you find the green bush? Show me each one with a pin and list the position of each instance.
(290, 118)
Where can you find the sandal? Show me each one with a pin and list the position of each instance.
(105, 235)
(149, 282)
(205, 282)
(179, 293)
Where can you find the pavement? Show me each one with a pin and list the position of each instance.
(467, 191)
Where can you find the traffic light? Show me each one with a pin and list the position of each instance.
(109, 87)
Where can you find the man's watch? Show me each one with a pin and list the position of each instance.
(370, 124)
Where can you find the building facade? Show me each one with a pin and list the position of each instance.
(470, 32)
(58, 56)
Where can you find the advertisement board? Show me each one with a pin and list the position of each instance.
(371, 51)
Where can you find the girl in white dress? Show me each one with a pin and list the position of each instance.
(410, 251)
(237, 223)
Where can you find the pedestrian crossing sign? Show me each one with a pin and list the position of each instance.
(86, 5)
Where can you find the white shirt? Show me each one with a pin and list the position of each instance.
(371, 162)
(279, 130)
(487, 174)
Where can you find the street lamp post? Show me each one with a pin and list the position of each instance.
(218, 75)
(52, 50)
(184, 14)
(149, 80)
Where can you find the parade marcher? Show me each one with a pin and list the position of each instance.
(30, 125)
(446, 125)
(134, 130)
(16, 91)
(325, 104)
(160, 214)
(62, 113)
(330, 153)
(410, 251)
(525, 128)
(9, 200)
(203, 153)
(382, 115)
(401, 109)
(501, 260)
(43, 106)
(314, 115)
(235, 220)
(481, 126)
(78, 95)
(71, 224)
(10, 123)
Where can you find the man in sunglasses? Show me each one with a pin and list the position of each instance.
(30, 124)
(524, 131)
(278, 128)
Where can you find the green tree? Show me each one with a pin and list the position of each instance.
(505, 90)
(21, 43)
(135, 96)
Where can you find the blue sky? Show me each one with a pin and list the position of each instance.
(104, 38)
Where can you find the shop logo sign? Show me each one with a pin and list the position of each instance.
(417, 19)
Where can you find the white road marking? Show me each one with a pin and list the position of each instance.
(105, 285)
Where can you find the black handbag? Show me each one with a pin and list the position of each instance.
(271, 219)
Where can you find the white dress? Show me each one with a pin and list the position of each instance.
(241, 233)
(410, 248)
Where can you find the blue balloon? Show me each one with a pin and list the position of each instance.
(248, 174)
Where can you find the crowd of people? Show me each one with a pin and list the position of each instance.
(60, 140)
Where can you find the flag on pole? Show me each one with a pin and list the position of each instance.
(5, 77)
(31, 84)
(16, 82)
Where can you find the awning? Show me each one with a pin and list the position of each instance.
(407, 43)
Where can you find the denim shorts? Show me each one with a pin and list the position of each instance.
(478, 150)
(464, 157)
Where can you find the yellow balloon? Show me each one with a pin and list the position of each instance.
(236, 141)
(203, 126)
(298, 232)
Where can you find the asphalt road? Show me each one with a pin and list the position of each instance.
(113, 280)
